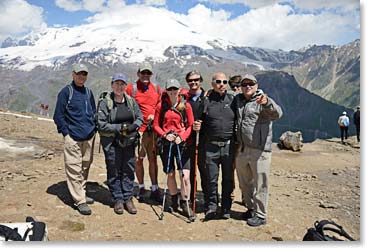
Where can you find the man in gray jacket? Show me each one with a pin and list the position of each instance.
(255, 112)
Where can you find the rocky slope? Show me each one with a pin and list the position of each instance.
(320, 182)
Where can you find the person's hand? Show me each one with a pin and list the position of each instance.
(178, 140)
(262, 99)
(170, 137)
(150, 117)
(197, 125)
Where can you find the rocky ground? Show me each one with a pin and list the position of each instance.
(320, 182)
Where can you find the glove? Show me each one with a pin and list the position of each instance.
(131, 128)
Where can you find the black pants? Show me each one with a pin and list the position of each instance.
(216, 156)
(343, 133)
(201, 169)
(358, 130)
(185, 158)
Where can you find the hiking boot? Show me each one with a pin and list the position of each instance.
(119, 207)
(84, 209)
(256, 221)
(210, 214)
(156, 196)
(186, 211)
(174, 204)
(225, 214)
(250, 213)
(140, 194)
(89, 200)
(130, 207)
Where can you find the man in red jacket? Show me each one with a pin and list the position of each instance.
(147, 95)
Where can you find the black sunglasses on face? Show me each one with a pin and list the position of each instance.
(245, 84)
(83, 73)
(146, 73)
(218, 81)
(193, 80)
(235, 86)
(172, 88)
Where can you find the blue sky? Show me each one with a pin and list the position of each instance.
(283, 24)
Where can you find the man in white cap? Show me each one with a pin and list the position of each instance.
(343, 122)
(75, 118)
(147, 95)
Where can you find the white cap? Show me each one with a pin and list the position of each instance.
(344, 113)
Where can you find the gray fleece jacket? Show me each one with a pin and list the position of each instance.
(254, 122)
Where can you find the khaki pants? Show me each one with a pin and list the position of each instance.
(253, 168)
(78, 156)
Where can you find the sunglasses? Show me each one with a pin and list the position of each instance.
(83, 73)
(193, 80)
(235, 86)
(218, 81)
(146, 73)
(172, 88)
(248, 84)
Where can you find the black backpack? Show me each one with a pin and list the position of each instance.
(317, 233)
(36, 231)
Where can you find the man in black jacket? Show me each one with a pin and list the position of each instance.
(218, 124)
(356, 120)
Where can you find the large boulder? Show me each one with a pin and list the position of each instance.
(291, 140)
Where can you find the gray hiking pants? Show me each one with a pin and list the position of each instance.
(253, 168)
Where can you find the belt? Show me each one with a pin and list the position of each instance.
(220, 143)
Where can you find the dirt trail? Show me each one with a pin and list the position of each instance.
(321, 182)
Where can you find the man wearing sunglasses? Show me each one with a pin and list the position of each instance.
(147, 95)
(218, 124)
(195, 98)
(255, 113)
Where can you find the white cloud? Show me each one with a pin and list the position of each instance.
(346, 5)
(274, 26)
(152, 2)
(89, 5)
(19, 17)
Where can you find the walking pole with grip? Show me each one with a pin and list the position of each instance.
(195, 171)
(191, 218)
(165, 188)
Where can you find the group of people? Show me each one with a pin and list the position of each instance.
(344, 122)
(189, 129)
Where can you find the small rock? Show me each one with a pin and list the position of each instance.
(217, 235)
(314, 176)
(29, 204)
(277, 238)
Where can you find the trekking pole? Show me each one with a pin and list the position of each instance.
(191, 218)
(165, 188)
(195, 171)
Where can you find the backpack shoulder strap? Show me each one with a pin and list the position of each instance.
(10, 233)
(106, 95)
(71, 92)
(130, 102)
(322, 225)
(133, 93)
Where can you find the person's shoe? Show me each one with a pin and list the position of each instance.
(210, 214)
(140, 195)
(185, 210)
(130, 207)
(225, 214)
(156, 196)
(256, 221)
(84, 209)
(119, 207)
(89, 200)
(250, 213)
(174, 204)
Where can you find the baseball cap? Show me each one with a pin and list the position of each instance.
(80, 67)
(249, 77)
(172, 83)
(344, 113)
(119, 76)
(145, 66)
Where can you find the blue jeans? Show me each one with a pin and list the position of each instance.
(120, 163)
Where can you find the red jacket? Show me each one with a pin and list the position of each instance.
(173, 121)
(147, 99)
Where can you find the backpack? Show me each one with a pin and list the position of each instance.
(71, 92)
(317, 233)
(30, 230)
